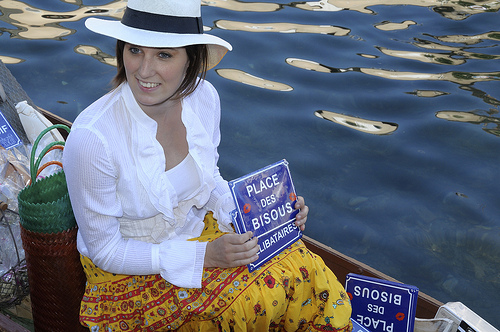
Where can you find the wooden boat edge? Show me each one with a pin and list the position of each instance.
(341, 265)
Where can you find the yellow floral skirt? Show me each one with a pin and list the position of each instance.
(294, 291)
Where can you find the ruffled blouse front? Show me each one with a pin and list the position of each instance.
(148, 155)
(130, 219)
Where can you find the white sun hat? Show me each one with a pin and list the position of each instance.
(162, 23)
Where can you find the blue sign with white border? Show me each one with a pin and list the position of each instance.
(8, 137)
(382, 305)
(265, 202)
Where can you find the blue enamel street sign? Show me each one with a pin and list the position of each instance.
(8, 137)
(381, 305)
(265, 202)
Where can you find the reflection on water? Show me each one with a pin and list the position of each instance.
(458, 51)
(490, 123)
(97, 54)
(10, 60)
(281, 27)
(465, 79)
(391, 26)
(455, 10)
(428, 93)
(35, 23)
(470, 40)
(445, 59)
(454, 76)
(240, 6)
(363, 125)
(488, 99)
(417, 94)
(246, 78)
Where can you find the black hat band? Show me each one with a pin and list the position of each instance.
(162, 23)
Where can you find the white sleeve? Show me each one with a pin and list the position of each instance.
(91, 179)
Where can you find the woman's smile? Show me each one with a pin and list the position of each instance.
(154, 74)
(148, 85)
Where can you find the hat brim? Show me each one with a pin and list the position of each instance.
(217, 47)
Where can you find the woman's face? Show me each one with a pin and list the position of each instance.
(154, 74)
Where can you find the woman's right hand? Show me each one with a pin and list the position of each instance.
(231, 250)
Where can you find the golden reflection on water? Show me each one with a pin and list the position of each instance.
(437, 58)
(10, 60)
(459, 51)
(239, 6)
(490, 124)
(281, 27)
(452, 76)
(359, 124)
(428, 93)
(246, 78)
(33, 23)
(97, 54)
(470, 40)
(455, 10)
(391, 26)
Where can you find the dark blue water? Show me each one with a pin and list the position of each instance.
(418, 201)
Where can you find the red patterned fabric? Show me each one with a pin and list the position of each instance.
(294, 291)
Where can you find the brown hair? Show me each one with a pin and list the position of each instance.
(198, 62)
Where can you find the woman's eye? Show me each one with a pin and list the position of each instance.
(164, 55)
(134, 50)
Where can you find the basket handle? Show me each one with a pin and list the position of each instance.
(35, 163)
(52, 162)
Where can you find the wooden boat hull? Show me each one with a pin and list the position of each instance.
(342, 265)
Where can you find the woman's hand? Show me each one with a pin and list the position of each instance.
(231, 250)
(301, 218)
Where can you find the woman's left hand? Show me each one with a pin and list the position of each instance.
(301, 217)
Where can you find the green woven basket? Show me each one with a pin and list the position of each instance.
(44, 205)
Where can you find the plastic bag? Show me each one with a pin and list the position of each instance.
(14, 174)
(34, 123)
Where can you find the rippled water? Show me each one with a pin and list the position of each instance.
(386, 110)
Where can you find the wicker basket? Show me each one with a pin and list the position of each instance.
(48, 233)
(56, 279)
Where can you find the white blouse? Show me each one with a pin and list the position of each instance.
(184, 178)
(131, 219)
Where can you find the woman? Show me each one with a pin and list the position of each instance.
(155, 234)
